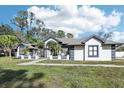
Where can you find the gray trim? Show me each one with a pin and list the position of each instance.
(84, 53)
(93, 51)
(113, 52)
(71, 52)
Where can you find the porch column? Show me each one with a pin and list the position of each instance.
(67, 57)
(59, 57)
(17, 53)
(47, 52)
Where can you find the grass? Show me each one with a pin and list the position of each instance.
(12, 75)
(116, 62)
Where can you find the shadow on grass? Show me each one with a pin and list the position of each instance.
(2, 55)
(15, 58)
(19, 78)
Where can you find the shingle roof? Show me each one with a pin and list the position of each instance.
(72, 41)
(69, 41)
(102, 40)
(94, 36)
(31, 47)
(111, 42)
(28, 45)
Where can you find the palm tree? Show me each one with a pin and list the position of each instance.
(54, 48)
(8, 42)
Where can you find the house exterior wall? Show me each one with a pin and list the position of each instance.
(79, 52)
(104, 51)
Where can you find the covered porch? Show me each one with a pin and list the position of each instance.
(65, 53)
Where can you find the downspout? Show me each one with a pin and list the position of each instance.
(83, 50)
(84, 54)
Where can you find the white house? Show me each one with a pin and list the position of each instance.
(92, 48)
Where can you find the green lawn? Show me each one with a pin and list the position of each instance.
(12, 75)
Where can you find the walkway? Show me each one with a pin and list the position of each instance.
(72, 65)
(32, 62)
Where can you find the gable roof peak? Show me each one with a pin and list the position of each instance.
(96, 37)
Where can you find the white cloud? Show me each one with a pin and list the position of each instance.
(91, 12)
(76, 19)
(42, 12)
(113, 19)
(118, 36)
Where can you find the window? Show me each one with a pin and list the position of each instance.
(93, 51)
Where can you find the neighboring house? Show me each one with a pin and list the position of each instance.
(92, 48)
(120, 52)
(18, 50)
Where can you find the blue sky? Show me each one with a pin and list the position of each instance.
(110, 8)
(8, 11)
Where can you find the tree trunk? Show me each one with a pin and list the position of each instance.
(10, 53)
(5, 51)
